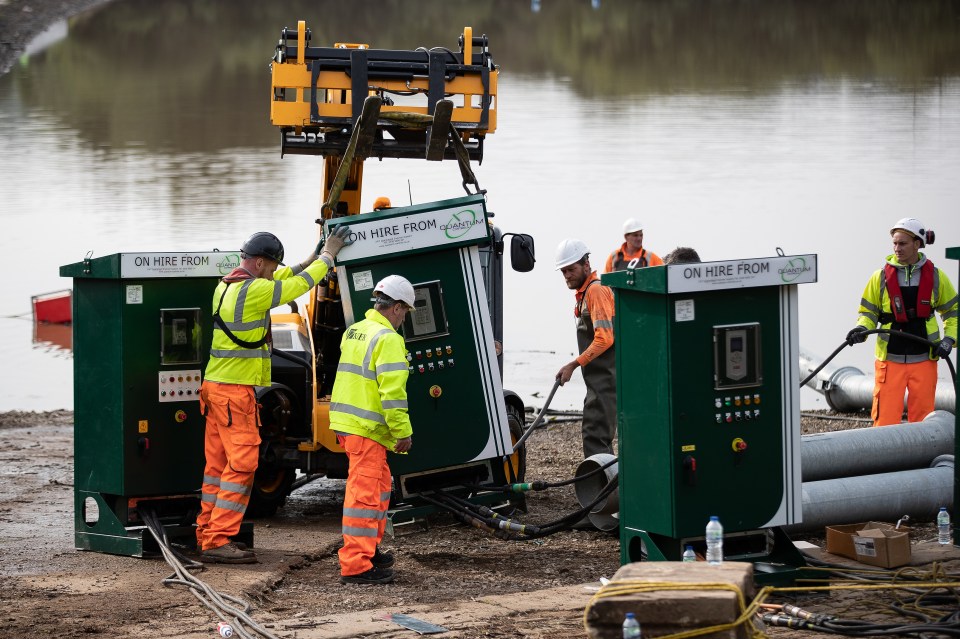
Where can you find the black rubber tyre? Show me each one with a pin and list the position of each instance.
(271, 485)
(517, 463)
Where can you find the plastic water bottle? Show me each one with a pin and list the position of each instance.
(631, 627)
(714, 541)
(689, 555)
(943, 527)
(224, 629)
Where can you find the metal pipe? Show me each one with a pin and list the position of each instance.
(606, 514)
(848, 389)
(865, 451)
(882, 497)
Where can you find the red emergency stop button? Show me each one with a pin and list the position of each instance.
(435, 391)
(738, 445)
(180, 416)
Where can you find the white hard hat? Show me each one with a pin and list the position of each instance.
(914, 227)
(397, 288)
(570, 251)
(632, 225)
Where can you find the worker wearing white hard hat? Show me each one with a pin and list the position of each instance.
(594, 322)
(632, 248)
(368, 412)
(901, 299)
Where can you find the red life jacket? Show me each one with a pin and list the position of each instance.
(924, 307)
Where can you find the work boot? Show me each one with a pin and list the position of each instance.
(228, 554)
(373, 576)
(382, 559)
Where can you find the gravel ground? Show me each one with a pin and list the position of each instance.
(442, 566)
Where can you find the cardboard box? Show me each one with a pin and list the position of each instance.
(874, 543)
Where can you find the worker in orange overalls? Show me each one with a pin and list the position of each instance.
(632, 248)
(368, 412)
(240, 361)
(594, 312)
(902, 297)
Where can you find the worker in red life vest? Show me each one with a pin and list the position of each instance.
(630, 249)
(239, 362)
(902, 297)
(594, 314)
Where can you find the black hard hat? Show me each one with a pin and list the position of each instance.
(263, 244)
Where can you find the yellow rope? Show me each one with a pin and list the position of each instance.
(633, 586)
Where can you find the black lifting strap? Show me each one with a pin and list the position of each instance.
(223, 326)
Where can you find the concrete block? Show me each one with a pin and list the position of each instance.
(664, 611)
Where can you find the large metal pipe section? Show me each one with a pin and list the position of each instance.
(866, 451)
(882, 497)
(848, 389)
(605, 515)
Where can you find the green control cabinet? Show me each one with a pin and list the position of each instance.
(708, 404)
(953, 253)
(141, 335)
(456, 402)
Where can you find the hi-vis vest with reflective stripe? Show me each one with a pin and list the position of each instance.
(876, 302)
(370, 393)
(245, 310)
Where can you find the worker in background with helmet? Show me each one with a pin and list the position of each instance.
(368, 412)
(594, 314)
(902, 297)
(240, 361)
(632, 248)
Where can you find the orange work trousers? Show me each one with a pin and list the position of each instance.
(892, 379)
(365, 504)
(232, 448)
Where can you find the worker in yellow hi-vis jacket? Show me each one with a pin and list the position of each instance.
(368, 411)
(240, 361)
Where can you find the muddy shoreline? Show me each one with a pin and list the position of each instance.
(23, 20)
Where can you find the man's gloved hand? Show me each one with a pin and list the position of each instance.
(338, 238)
(943, 348)
(857, 335)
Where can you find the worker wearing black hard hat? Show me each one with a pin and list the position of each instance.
(240, 361)
(902, 297)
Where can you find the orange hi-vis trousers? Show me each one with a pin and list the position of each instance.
(365, 504)
(892, 379)
(232, 447)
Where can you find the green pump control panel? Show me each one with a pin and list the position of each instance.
(141, 342)
(454, 391)
(708, 403)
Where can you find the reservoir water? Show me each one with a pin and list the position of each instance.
(736, 128)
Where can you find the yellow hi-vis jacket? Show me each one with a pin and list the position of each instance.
(246, 312)
(370, 393)
(876, 301)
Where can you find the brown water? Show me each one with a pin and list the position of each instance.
(732, 127)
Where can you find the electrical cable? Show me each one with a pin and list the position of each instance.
(932, 344)
(228, 608)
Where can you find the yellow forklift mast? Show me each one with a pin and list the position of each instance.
(347, 103)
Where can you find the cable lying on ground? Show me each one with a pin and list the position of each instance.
(228, 608)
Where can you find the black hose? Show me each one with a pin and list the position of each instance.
(916, 338)
(538, 485)
(536, 422)
(467, 512)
